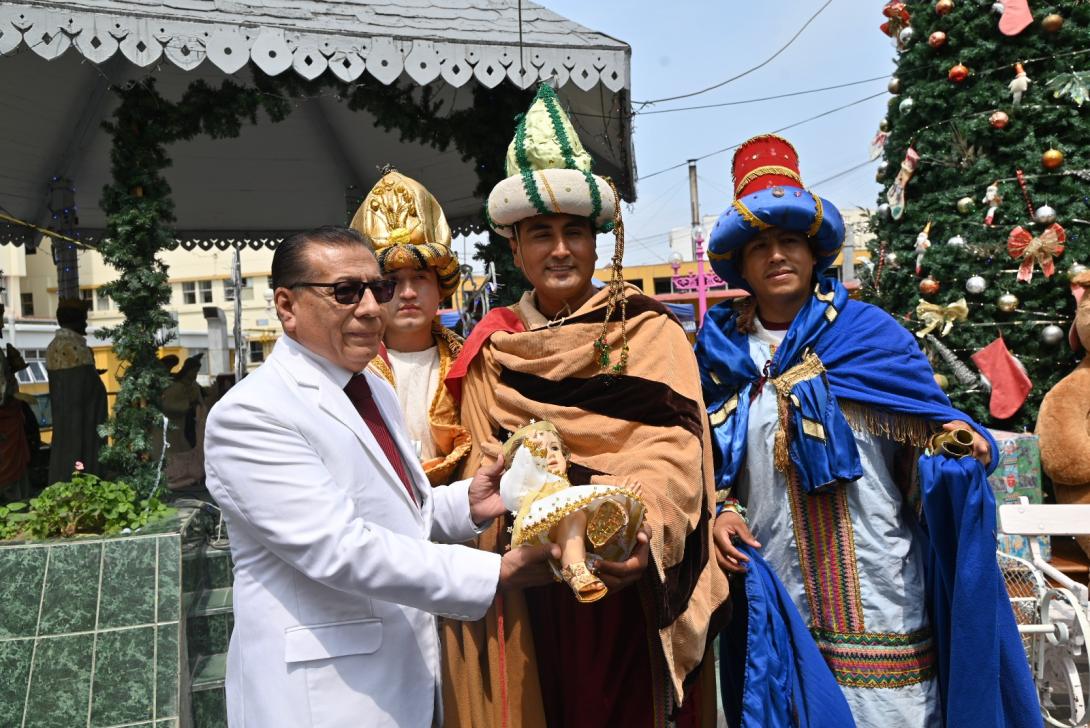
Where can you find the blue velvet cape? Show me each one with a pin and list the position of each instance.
(772, 673)
(870, 359)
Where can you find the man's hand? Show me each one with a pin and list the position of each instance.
(729, 526)
(981, 450)
(525, 566)
(618, 574)
(484, 493)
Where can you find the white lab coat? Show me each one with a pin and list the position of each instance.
(336, 581)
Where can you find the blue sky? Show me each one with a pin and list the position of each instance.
(686, 45)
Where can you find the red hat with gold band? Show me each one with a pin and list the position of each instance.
(768, 192)
(764, 162)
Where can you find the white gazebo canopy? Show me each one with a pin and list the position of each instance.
(58, 60)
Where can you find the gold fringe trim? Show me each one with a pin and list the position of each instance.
(523, 535)
(807, 369)
(781, 456)
(767, 169)
(819, 216)
(749, 217)
(914, 431)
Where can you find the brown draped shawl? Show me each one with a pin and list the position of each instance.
(648, 424)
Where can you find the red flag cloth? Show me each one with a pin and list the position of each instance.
(1010, 385)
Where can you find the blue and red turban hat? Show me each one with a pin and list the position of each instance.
(768, 192)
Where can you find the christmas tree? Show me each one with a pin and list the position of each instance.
(985, 211)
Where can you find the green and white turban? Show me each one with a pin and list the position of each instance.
(550, 173)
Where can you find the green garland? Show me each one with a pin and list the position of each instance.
(480, 132)
(139, 213)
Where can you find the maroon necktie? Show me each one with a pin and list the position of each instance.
(359, 391)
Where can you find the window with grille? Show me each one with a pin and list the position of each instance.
(35, 372)
(229, 290)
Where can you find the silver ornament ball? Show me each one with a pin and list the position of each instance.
(1045, 215)
(906, 35)
(883, 211)
(891, 260)
(976, 285)
(998, 8)
(1052, 335)
(906, 105)
(957, 241)
(1076, 269)
(1007, 302)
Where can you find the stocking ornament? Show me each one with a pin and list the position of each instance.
(1010, 384)
(896, 193)
(1016, 17)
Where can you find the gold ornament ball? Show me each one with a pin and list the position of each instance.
(894, 86)
(1052, 159)
(1007, 302)
(941, 380)
(929, 286)
(999, 120)
(1052, 23)
(937, 39)
(943, 7)
(965, 205)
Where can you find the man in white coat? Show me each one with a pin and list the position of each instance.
(331, 518)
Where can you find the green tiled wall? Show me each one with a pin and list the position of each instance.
(89, 632)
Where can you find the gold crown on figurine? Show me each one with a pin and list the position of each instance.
(408, 229)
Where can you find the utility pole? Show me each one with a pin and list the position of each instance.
(698, 246)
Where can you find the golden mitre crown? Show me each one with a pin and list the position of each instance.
(408, 228)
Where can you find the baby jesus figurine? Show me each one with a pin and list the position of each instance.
(549, 509)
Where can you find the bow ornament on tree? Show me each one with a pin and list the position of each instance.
(933, 315)
(1041, 249)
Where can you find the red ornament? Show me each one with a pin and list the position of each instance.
(958, 73)
(943, 7)
(999, 120)
(929, 286)
(937, 39)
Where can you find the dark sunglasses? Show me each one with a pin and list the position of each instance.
(349, 293)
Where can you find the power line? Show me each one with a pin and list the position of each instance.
(764, 98)
(774, 131)
(841, 173)
(762, 64)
